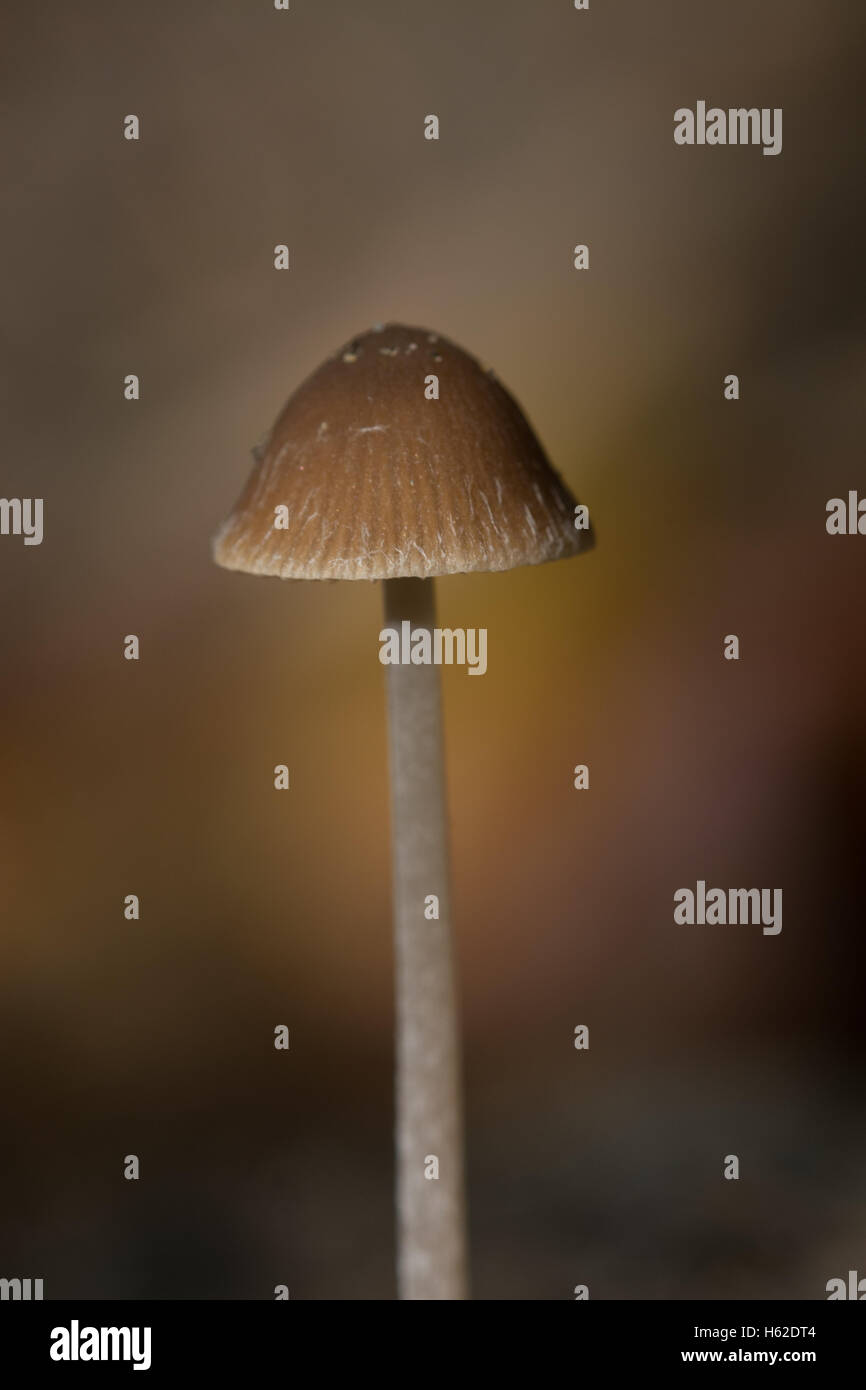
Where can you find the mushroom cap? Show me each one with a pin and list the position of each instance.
(375, 481)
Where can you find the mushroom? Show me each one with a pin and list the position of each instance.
(402, 459)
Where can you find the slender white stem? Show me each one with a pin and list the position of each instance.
(429, 1123)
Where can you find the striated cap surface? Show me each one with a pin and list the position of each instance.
(375, 481)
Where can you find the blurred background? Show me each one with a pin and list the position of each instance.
(156, 778)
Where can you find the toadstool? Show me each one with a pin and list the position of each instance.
(402, 459)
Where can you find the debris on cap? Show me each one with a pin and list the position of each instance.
(375, 481)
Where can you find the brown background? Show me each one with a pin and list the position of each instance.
(155, 778)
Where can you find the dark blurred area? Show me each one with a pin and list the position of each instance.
(155, 777)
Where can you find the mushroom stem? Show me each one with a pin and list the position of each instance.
(429, 1123)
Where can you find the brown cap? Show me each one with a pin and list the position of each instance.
(375, 481)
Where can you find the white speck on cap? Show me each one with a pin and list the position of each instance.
(394, 487)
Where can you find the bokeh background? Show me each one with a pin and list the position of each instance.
(155, 778)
